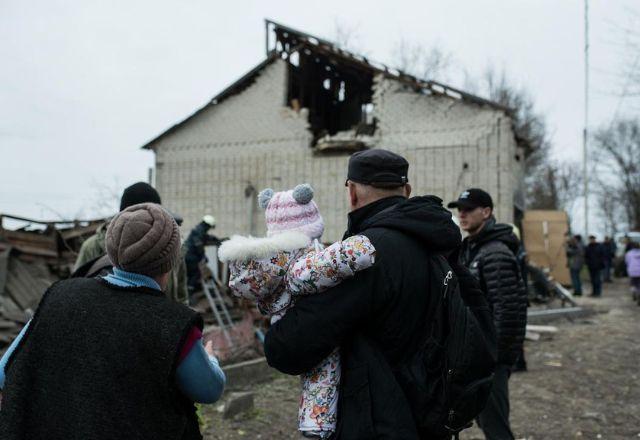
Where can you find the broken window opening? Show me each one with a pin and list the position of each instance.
(337, 94)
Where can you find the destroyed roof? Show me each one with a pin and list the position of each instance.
(296, 40)
(32, 257)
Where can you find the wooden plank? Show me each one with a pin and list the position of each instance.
(537, 215)
(34, 250)
(79, 231)
(29, 237)
(16, 316)
(544, 236)
(4, 268)
(532, 336)
(7, 325)
(542, 328)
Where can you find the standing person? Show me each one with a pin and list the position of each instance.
(381, 316)
(594, 257)
(93, 260)
(628, 245)
(489, 251)
(196, 241)
(112, 357)
(574, 249)
(609, 248)
(523, 263)
(632, 260)
(290, 263)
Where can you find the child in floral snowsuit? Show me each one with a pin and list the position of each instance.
(287, 264)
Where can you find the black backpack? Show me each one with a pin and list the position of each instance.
(448, 380)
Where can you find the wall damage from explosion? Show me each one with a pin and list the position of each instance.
(298, 115)
(338, 96)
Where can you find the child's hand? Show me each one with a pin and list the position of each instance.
(208, 347)
(212, 352)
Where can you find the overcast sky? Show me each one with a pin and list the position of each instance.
(84, 84)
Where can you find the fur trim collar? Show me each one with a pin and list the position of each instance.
(240, 247)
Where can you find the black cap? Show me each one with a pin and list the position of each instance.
(472, 198)
(140, 192)
(378, 167)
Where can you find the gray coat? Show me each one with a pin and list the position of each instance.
(575, 255)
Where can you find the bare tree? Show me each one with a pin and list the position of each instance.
(549, 185)
(609, 207)
(425, 62)
(530, 126)
(106, 199)
(347, 36)
(617, 158)
(630, 72)
(555, 185)
(569, 184)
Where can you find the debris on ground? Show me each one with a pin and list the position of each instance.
(34, 255)
(238, 403)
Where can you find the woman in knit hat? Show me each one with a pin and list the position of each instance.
(112, 357)
(288, 263)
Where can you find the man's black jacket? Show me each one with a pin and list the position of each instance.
(378, 318)
(490, 256)
(594, 256)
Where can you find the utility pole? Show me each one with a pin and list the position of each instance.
(585, 132)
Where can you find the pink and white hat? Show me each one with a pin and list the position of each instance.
(292, 210)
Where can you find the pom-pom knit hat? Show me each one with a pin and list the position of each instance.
(292, 210)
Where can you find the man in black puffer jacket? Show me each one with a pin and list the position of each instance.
(490, 254)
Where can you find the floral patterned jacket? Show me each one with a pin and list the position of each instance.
(274, 270)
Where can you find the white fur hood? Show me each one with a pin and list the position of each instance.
(240, 247)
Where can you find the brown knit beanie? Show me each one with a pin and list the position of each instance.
(143, 239)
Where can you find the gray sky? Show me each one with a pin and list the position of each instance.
(86, 83)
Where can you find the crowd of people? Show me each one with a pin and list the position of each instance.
(402, 330)
(599, 260)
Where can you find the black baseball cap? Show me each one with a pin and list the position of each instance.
(378, 167)
(472, 198)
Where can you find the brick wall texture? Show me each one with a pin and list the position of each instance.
(253, 140)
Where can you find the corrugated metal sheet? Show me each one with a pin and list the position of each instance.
(26, 282)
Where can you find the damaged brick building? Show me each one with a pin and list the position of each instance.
(298, 115)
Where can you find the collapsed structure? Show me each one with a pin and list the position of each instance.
(298, 115)
(32, 257)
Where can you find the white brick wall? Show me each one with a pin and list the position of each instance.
(252, 138)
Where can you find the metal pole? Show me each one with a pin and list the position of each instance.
(266, 36)
(585, 133)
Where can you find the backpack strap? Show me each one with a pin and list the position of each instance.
(93, 268)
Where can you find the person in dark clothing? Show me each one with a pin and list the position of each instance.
(112, 357)
(609, 248)
(489, 252)
(93, 260)
(574, 249)
(378, 318)
(594, 256)
(523, 263)
(196, 241)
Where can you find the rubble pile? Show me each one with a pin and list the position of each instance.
(33, 255)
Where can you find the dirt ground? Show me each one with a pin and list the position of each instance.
(581, 384)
